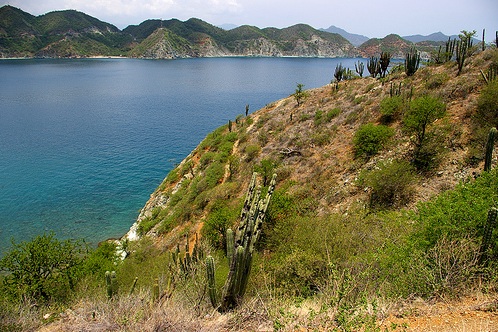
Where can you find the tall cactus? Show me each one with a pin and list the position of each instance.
(155, 290)
(488, 232)
(110, 278)
(248, 233)
(490, 144)
(132, 289)
(211, 281)
(230, 246)
(461, 54)
(483, 41)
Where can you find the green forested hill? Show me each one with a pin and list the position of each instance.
(67, 33)
(70, 33)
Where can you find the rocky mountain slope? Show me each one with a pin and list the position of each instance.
(68, 33)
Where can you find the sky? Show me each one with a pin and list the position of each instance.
(372, 18)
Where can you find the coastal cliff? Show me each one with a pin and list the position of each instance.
(311, 148)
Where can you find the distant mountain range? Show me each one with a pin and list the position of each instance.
(73, 34)
(354, 39)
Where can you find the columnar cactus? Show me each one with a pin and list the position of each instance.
(110, 278)
(491, 73)
(490, 144)
(385, 59)
(155, 290)
(132, 289)
(248, 233)
(488, 232)
(230, 246)
(412, 61)
(359, 68)
(188, 262)
(373, 66)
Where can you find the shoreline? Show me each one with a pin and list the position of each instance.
(183, 58)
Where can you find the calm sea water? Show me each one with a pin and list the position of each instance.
(83, 143)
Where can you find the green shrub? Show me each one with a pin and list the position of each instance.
(43, 268)
(332, 114)
(252, 151)
(172, 177)
(458, 213)
(266, 168)
(214, 173)
(488, 104)
(391, 107)
(436, 81)
(102, 259)
(321, 138)
(206, 159)
(318, 118)
(218, 221)
(391, 184)
(370, 138)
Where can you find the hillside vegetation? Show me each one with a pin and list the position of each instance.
(381, 204)
(72, 34)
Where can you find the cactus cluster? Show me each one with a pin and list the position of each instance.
(462, 48)
(393, 91)
(359, 67)
(373, 66)
(339, 72)
(240, 248)
(188, 262)
(385, 59)
(412, 61)
(490, 74)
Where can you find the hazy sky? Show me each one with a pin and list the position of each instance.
(372, 18)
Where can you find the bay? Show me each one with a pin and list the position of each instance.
(83, 143)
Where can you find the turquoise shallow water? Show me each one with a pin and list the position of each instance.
(83, 143)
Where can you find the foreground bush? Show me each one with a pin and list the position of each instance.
(43, 268)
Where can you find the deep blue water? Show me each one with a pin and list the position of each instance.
(83, 143)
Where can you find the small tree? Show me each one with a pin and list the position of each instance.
(42, 268)
(299, 94)
(422, 113)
